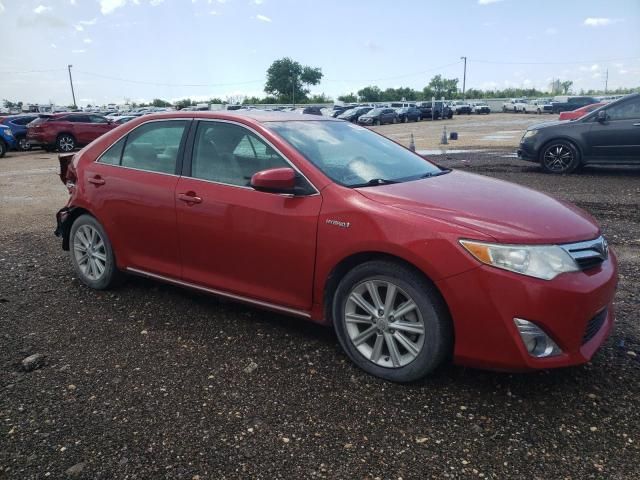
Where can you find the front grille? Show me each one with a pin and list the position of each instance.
(594, 326)
(588, 254)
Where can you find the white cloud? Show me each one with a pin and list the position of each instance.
(108, 6)
(41, 9)
(258, 2)
(599, 21)
(53, 45)
(487, 2)
(87, 40)
(79, 50)
(551, 31)
(213, 12)
(72, 2)
(263, 18)
(622, 71)
(79, 28)
(1, 8)
(595, 67)
(88, 22)
(222, 1)
(155, 3)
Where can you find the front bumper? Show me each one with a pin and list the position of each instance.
(483, 303)
(527, 151)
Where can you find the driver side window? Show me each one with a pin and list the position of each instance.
(625, 111)
(231, 154)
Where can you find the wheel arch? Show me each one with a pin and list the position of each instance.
(563, 138)
(346, 264)
(64, 228)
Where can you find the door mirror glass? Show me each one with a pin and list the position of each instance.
(602, 116)
(275, 180)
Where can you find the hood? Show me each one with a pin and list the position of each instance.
(505, 211)
(538, 126)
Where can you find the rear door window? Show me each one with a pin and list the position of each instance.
(154, 146)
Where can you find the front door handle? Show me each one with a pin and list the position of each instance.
(97, 180)
(189, 197)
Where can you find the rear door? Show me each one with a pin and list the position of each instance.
(618, 138)
(97, 126)
(132, 187)
(239, 240)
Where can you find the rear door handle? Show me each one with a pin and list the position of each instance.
(97, 180)
(189, 197)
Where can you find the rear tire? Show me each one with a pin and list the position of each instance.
(393, 345)
(91, 254)
(3, 148)
(560, 157)
(23, 144)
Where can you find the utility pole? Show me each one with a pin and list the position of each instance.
(606, 81)
(464, 76)
(73, 94)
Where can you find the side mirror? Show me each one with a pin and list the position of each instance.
(602, 116)
(275, 180)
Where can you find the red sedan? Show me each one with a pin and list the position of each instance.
(310, 216)
(580, 112)
(66, 131)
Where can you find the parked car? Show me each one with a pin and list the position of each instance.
(538, 106)
(481, 108)
(18, 125)
(441, 110)
(569, 103)
(406, 114)
(7, 140)
(608, 135)
(327, 221)
(67, 131)
(579, 112)
(123, 119)
(515, 105)
(354, 114)
(460, 106)
(310, 110)
(378, 116)
(397, 105)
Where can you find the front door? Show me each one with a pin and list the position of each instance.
(132, 188)
(239, 240)
(618, 137)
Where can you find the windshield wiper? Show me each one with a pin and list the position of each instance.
(436, 174)
(373, 182)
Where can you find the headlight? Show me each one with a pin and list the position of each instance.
(8, 133)
(545, 261)
(529, 133)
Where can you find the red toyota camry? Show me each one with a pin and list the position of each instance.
(412, 264)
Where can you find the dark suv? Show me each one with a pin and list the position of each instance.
(353, 114)
(608, 135)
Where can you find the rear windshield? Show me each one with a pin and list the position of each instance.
(40, 120)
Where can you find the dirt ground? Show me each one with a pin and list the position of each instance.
(493, 131)
(153, 381)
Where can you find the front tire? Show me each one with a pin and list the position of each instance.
(65, 143)
(560, 156)
(23, 144)
(3, 148)
(92, 255)
(391, 322)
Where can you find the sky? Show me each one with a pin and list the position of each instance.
(138, 50)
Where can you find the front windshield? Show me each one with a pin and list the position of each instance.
(375, 111)
(348, 112)
(351, 155)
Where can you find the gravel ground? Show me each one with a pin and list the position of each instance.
(153, 381)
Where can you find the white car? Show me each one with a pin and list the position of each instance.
(515, 105)
(538, 106)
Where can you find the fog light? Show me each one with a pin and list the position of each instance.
(537, 343)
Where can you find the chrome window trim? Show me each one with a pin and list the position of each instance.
(260, 136)
(241, 298)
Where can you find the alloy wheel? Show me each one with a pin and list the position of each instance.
(23, 144)
(558, 158)
(66, 143)
(90, 252)
(384, 323)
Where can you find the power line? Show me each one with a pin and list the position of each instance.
(162, 84)
(32, 71)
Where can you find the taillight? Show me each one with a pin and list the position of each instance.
(67, 172)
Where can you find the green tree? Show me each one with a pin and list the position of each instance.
(370, 94)
(321, 98)
(443, 87)
(288, 80)
(566, 86)
(184, 103)
(349, 98)
(160, 103)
